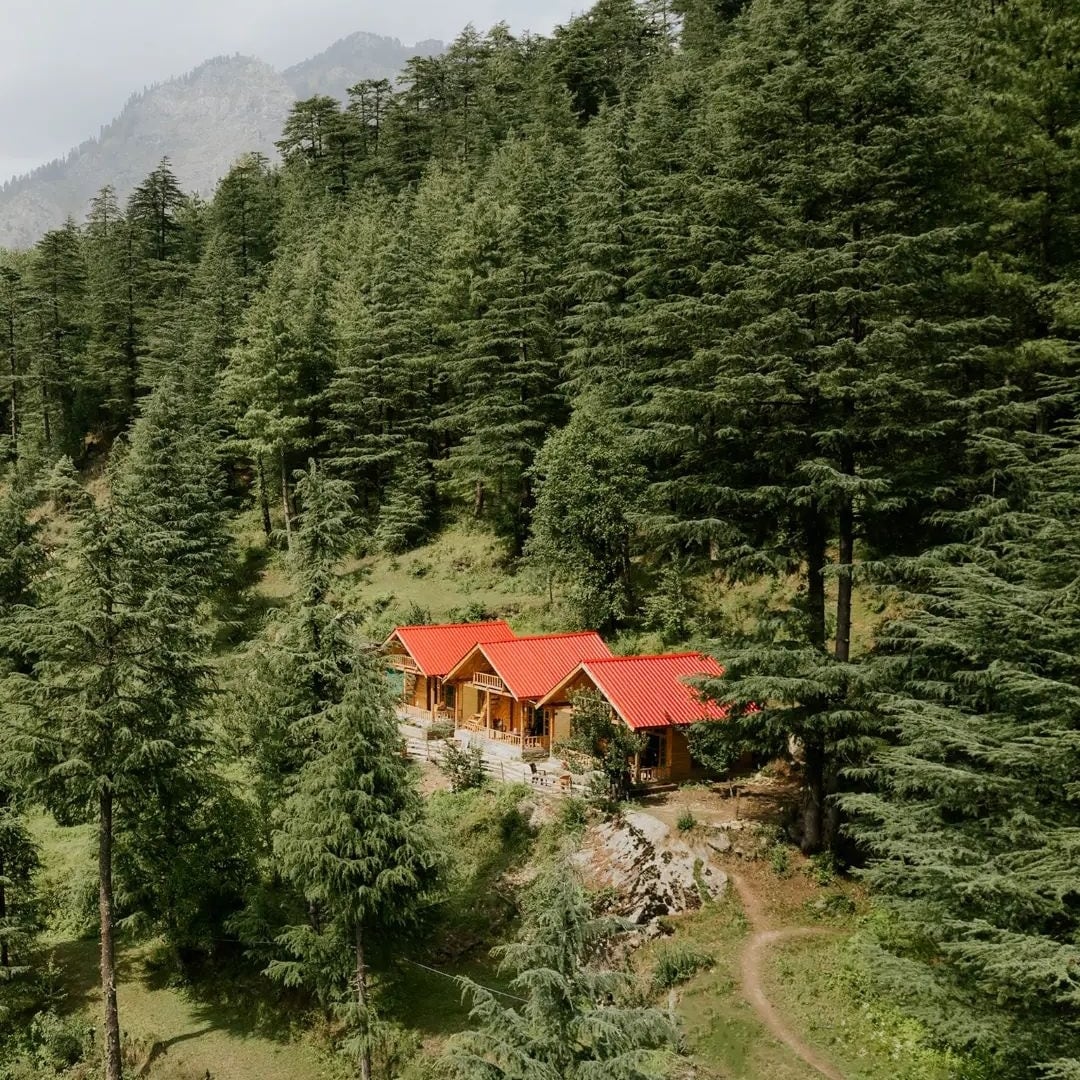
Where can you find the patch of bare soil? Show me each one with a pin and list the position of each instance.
(763, 798)
(751, 962)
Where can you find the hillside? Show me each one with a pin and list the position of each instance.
(202, 121)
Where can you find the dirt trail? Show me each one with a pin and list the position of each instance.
(750, 964)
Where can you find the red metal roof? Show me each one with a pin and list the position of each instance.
(437, 648)
(531, 666)
(651, 691)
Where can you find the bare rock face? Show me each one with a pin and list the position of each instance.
(649, 871)
(202, 121)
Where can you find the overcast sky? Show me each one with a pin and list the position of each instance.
(68, 66)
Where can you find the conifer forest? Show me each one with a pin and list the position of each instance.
(750, 327)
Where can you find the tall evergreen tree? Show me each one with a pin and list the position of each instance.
(111, 307)
(571, 1022)
(827, 408)
(973, 822)
(280, 370)
(504, 359)
(351, 838)
(15, 329)
(103, 717)
(588, 491)
(58, 277)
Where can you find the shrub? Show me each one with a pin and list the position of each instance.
(676, 962)
(822, 869)
(573, 815)
(464, 765)
(59, 1042)
(780, 860)
(686, 821)
(441, 729)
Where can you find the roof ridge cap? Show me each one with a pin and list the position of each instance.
(651, 656)
(449, 625)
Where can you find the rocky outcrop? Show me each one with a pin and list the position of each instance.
(647, 870)
(202, 122)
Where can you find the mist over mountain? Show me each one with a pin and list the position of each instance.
(202, 121)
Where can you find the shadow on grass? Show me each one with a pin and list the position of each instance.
(238, 606)
(432, 1001)
(242, 1003)
(77, 965)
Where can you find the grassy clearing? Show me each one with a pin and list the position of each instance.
(817, 983)
(459, 575)
(236, 1029)
(232, 1033)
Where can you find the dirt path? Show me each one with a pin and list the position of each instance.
(750, 966)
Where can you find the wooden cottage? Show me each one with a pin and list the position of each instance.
(651, 695)
(498, 684)
(422, 655)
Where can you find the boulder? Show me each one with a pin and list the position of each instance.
(649, 871)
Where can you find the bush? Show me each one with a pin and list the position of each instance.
(780, 860)
(677, 962)
(59, 1042)
(573, 815)
(686, 821)
(441, 729)
(464, 765)
(822, 869)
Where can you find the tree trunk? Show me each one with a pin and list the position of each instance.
(5, 960)
(286, 501)
(14, 418)
(264, 498)
(362, 1006)
(845, 558)
(815, 576)
(478, 499)
(113, 1064)
(813, 797)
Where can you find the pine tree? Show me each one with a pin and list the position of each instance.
(112, 317)
(588, 490)
(298, 672)
(605, 54)
(390, 381)
(103, 718)
(504, 356)
(15, 308)
(572, 1023)
(57, 276)
(243, 216)
(972, 822)
(280, 370)
(601, 253)
(827, 408)
(351, 839)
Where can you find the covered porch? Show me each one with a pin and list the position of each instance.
(421, 699)
(487, 709)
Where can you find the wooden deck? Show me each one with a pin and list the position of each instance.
(474, 725)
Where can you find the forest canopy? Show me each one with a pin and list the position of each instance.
(763, 291)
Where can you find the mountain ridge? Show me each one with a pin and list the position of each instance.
(202, 120)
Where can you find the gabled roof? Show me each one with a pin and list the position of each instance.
(437, 648)
(650, 691)
(531, 666)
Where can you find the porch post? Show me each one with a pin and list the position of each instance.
(637, 766)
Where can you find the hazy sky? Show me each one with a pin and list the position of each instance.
(68, 66)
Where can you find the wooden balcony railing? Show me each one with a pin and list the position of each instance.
(513, 738)
(399, 662)
(653, 774)
(488, 682)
